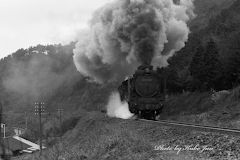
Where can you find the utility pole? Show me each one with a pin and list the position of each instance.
(1, 139)
(60, 111)
(26, 121)
(1, 118)
(4, 129)
(39, 109)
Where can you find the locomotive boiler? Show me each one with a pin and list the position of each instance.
(145, 92)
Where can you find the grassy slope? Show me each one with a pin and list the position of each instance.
(200, 108)
(97, 137)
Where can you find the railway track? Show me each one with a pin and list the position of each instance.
(198, 127)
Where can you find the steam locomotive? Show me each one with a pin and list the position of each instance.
(145, 92)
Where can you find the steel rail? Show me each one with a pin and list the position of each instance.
(182, 124)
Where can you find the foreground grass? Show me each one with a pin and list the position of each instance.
(205, 109)
(97, 137)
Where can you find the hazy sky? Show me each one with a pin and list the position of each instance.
(25, 23)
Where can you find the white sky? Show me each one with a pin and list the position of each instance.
(25, 23)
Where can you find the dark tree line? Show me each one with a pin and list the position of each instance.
(211, 57)
(205, 67)
(207, 70)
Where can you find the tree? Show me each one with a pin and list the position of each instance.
(197, 68)
(197, 63)
(233, 69)
(212, 66)
(205, 67)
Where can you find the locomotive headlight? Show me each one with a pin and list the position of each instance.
(147, 70)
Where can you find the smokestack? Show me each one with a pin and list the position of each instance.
(124, 34)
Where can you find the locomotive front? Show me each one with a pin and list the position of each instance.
(144, 92)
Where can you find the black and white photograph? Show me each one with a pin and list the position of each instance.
(119, 79)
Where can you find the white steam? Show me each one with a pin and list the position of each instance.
(124, 34)
(116, 108)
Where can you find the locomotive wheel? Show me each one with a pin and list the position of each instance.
(157, 116)
(154, 116)
(139, 114)
(150, 115)
(132, 110)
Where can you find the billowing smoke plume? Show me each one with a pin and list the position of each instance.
(127, 33)
(116, 108)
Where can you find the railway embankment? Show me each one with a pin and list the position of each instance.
(97, 137)
(221, 109)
